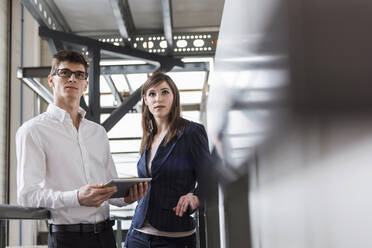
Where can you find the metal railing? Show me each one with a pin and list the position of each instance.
(8, 212)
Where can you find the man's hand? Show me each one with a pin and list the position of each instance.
(184, 202)
(136, 192)
(94, 195)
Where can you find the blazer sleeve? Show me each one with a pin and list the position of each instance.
(201, 157)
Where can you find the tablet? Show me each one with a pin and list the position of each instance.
(123, 185)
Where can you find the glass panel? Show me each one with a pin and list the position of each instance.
(128, 126)
(103, 86)
(125, 145)
(108, 100)
(190, 97)
(120, 82)
(191, 115)
(188, 80)
(136, 80)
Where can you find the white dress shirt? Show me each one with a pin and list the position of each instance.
(54, 160)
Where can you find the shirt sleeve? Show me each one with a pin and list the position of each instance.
(31, 173)
(111, 173)
(200, 154)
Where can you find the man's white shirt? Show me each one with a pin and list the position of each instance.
(54, 160)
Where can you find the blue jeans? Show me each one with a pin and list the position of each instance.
(136, 239)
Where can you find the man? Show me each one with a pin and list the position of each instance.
(63, 160)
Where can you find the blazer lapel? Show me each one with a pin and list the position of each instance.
(142, 165)
(163, 153)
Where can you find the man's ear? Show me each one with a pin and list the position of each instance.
(50, 81)
(86, 85)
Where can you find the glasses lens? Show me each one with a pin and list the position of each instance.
(80, 75)
(67, 73)
(64, 73)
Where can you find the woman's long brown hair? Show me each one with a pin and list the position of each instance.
(175, 121)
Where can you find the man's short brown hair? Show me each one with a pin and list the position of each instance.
(68, 56)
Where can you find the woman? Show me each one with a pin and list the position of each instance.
(173, 152)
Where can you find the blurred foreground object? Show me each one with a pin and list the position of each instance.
(290, 112)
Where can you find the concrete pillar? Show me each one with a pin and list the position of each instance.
(3, 98)
(21, 232)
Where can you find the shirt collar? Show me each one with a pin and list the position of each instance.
(60, 114)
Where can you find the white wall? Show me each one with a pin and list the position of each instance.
(27, 236)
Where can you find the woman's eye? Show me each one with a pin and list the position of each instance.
(165, 92)
(152, 94)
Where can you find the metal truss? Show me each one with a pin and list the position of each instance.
(94, 49)
(44, 71)
(167, 24)
(193, 42)
(183, 43)
(28, 75)
(118, 51)
(46, 13)
(123, 18)
(150, 48)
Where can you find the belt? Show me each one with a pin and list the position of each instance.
(96, 228)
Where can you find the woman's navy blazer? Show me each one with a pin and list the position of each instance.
(175, 169)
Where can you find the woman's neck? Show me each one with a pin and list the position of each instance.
(161, 126)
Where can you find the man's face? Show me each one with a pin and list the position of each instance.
(68, 88)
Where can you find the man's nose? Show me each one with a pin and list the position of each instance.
(72, 77)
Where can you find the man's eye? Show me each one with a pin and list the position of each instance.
(64, 72)
(80, 74)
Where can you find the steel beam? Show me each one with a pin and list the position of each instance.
(127, 82)
(55, 45)
(84, 106)
(47, 14)
(119, 50)
(124, 108)
(168, 24)
(184, 107)
(41, 72)
(94, 87)
(39, 89)
(113, 89)
(123, 18)
(201, 43)
(33, 72)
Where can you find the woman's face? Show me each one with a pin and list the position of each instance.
(159, 100)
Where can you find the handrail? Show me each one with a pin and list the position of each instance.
(18, 212)
(8, 212)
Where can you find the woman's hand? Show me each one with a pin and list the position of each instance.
(184, 202)
(136, 192)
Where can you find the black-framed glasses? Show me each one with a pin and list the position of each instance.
(66, 73)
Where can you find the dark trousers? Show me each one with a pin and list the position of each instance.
(136, 239)
(82, 239)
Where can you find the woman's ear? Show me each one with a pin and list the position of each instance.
(145, 100)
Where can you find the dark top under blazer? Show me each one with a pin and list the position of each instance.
(175, 169)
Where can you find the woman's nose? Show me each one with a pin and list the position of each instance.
(157, 97)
